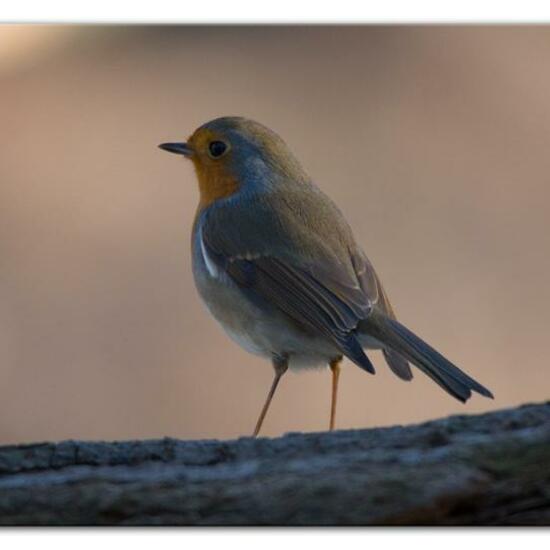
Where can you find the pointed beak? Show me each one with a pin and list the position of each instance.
(178, 148)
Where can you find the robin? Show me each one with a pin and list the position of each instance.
(277, 265)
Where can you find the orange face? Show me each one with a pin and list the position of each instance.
(232, 151)
(210, 153)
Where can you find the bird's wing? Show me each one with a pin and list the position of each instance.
(295, 270)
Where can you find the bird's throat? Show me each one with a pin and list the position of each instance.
(214, 184)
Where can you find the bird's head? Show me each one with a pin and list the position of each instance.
(230, 153)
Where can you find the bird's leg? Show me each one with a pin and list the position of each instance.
(280, 364)
(335, 368)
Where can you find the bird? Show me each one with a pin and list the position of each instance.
(278, 266)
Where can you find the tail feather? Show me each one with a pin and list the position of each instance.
(405, 343)
(398, 364)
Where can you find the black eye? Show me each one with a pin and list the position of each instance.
(217, 148)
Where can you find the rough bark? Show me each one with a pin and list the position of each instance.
(489, 469)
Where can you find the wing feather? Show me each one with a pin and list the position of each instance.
(300, 295)
(294, 249)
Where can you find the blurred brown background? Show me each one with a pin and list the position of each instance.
(434, 141)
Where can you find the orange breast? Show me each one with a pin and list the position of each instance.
(214, 184)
